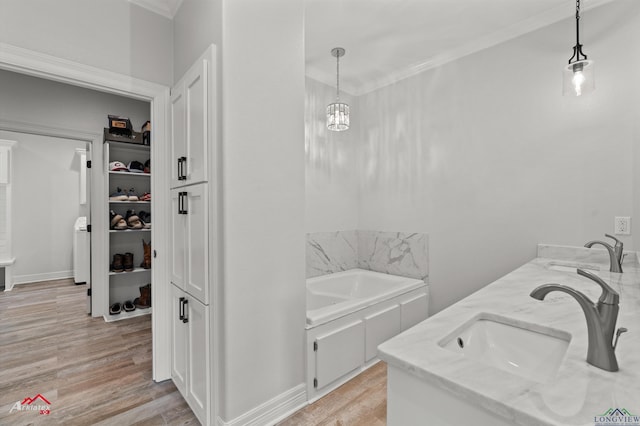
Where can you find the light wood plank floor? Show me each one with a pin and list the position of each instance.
(92, 372)
(360, 402)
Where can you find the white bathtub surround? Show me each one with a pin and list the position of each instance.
(425, 378)
(329, 252)
(396, 253)
(348, 315)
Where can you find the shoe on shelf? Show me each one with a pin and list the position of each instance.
(131, 195)
(144, 301)
(119, 195)
(115, 309)
(128, 306)
(147, 166)
(117, 221)
(145, 197)
(117, 265)
(133, 221)
(127, 262)
(146, 263)
(145, 218)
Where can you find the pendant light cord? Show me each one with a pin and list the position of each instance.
(578, 22)
(338, 77)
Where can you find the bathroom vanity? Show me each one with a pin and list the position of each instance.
(501, 357)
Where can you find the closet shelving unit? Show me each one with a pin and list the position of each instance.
(125, 286)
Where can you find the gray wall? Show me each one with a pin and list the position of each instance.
(114, 35)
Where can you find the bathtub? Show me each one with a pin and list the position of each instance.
(334, 295)
(348, 315)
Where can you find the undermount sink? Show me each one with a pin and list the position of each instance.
(570, 267)
(528, 350)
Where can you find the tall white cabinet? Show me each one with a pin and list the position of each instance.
(194, 234)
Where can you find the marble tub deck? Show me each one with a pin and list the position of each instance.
(579, 391)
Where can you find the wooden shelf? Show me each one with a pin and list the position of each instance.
(135, 271)
(126, 315)
(124, 231)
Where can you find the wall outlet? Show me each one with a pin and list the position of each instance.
(622, 225)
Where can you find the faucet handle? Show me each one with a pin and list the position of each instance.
(618, 242)
(609, 296)
(618, 333)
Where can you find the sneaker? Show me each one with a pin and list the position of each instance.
(131, 195)
(145, 197)
(119, 195)
(133, 221)
(146, 219)
(117, 221)
(115, 309)
(128, 306)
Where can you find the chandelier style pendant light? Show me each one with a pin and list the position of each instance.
(337, 112)
(578, 76)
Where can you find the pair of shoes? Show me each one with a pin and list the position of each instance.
(116, 308)
(122, 262)
(122, 195)
(133, 220)
(117, 221)
(145, 197)
(144, 301)
(147, 166)
(146, 263)
(145, 218)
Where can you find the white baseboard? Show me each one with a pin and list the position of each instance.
(48, 276)
(272, 411)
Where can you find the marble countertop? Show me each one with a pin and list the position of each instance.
(579, 391)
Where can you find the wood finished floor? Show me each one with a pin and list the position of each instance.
(361, 401)
(92, 372)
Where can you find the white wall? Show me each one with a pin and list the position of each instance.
(45, 205)
(263, 178)
(196, 25)
(487, 157)
(47, 103)
(111, 34)
(331, 173)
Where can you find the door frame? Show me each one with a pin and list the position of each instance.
(36, 64)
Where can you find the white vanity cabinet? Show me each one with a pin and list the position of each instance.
(190, 366)
(193, 231)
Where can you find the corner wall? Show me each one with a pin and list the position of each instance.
(263, 203)
(488, 157)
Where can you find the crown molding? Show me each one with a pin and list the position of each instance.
(167, 9)
(549, 17)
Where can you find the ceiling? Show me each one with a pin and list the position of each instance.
(387, 40)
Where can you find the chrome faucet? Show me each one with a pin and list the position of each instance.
(615, 253)
(601, 320)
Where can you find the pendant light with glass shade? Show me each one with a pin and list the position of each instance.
(578, 76)
(337, 112)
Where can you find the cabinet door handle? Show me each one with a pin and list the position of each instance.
(184, 168)
(179, 202)
(181, 310)
(185, 318)
(185, 202)
(180, 167)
